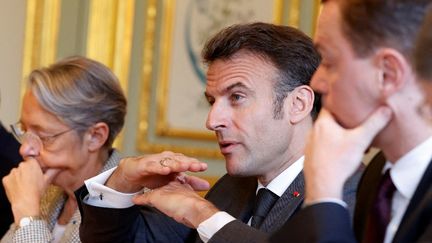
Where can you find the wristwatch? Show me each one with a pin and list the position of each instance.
(24, 221)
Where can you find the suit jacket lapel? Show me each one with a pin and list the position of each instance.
(286, 205)
(243, 210)
(419, 211)
(235, 196)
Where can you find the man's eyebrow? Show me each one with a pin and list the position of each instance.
(229, 88)
(235, 85)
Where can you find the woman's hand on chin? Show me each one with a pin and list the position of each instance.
(25, 186)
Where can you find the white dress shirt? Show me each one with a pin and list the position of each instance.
(103, 196)
(278, 186)
(406, 174)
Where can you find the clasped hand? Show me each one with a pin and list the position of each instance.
(25, 186)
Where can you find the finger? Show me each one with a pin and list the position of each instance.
(197, 183)
(145, 167)
(6, 179)
(181, 164)
(181, 177)
(198, 167)
(50, 174)
(375, 123)
(29, 161)
(324, 122)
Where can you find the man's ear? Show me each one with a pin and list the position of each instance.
(97, 135)
(392, 70)
(302, 99)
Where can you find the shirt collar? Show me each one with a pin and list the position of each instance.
(409, 169)
(281, 182)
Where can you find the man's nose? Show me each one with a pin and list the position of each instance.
(318, 82)
(217, 117)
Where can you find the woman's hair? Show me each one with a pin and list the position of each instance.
(81, 92)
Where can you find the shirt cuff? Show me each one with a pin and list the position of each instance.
(103, 196)
(327, 200)
(210, 226)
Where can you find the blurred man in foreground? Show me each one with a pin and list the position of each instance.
(370, 96)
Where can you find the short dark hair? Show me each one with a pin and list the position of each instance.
(288, 49)
(370, 24)
(423, 49)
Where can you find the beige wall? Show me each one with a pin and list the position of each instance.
(12, 18)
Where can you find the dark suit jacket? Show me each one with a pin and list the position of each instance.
(230, 194)
(9, 158)
(329, 222)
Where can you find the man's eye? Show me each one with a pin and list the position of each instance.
(236, 97)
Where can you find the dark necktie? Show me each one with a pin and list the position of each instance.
(380, 212)
(264, 201)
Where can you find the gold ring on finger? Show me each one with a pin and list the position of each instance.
(163, 161)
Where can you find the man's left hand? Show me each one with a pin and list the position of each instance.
(179, 201)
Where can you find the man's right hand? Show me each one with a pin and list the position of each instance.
(152, 171)
(333, 153)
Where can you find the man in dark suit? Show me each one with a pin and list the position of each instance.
(370, 96)
(261, 111)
